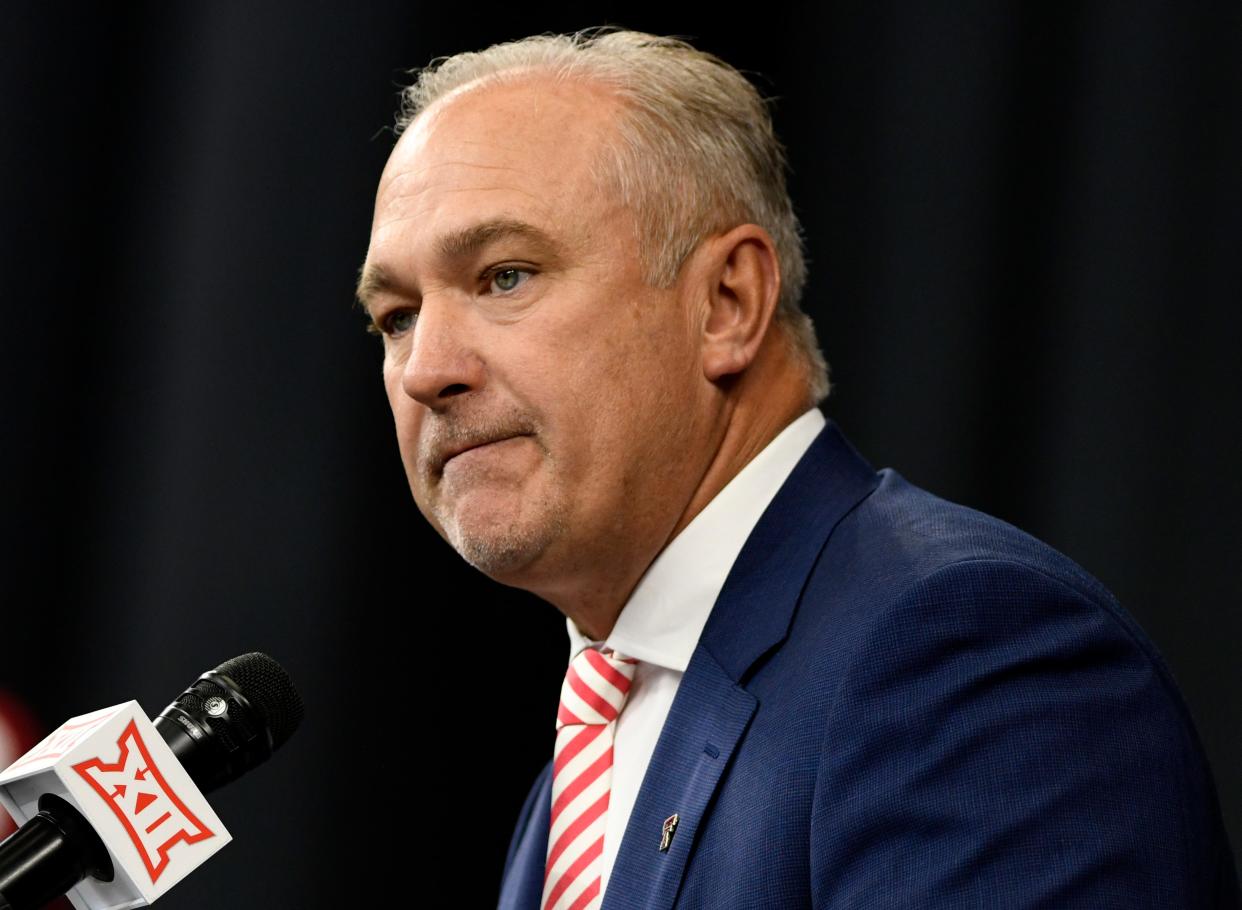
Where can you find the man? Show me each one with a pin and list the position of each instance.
(810, 685)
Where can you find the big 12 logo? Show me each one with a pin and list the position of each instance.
(151, 813)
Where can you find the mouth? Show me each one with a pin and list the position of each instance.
(453, 451)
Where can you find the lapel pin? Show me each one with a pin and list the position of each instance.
(666, 831)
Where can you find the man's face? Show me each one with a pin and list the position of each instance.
(545, 397)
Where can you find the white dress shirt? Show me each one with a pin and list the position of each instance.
(661, 622)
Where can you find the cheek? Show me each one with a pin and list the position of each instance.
(392, 376)
(406, 418)
(392, 367)
(628, 410)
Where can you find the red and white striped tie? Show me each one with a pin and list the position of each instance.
(593, 694)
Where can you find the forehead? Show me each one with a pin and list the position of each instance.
(527, 150)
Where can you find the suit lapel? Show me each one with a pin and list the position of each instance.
(712, 710)
(707, 718)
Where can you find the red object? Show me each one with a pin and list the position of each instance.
(153, 816)
(595, 690)
(20, 732)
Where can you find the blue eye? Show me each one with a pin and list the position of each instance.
(399, 322)
(506, 280)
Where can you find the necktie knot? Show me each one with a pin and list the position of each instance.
(596, 686)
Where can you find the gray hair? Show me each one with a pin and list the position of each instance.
(697, 152)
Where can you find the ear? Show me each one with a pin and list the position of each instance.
(743, 283)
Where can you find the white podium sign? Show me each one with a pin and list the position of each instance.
(114, 768)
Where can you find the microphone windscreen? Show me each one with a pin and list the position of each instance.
(269, 690)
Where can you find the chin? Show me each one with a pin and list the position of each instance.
(498, 560)
(502, 550)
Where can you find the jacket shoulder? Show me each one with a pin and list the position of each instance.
(991, 707)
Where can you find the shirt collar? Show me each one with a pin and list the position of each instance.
(661, 622)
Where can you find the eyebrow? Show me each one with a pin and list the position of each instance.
(468, 241)
(372, 280)
(458, 245)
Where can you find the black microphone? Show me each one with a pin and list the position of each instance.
(231, 719)
(228, 721)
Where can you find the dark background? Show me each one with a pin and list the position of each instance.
(1024, 223)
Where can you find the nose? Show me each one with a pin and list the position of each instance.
(443, 361)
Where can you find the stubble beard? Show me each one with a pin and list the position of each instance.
(502, 551)
(497, 548)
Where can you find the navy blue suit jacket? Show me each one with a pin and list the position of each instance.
(900, 702)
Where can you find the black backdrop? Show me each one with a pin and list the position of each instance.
(1024, 226)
